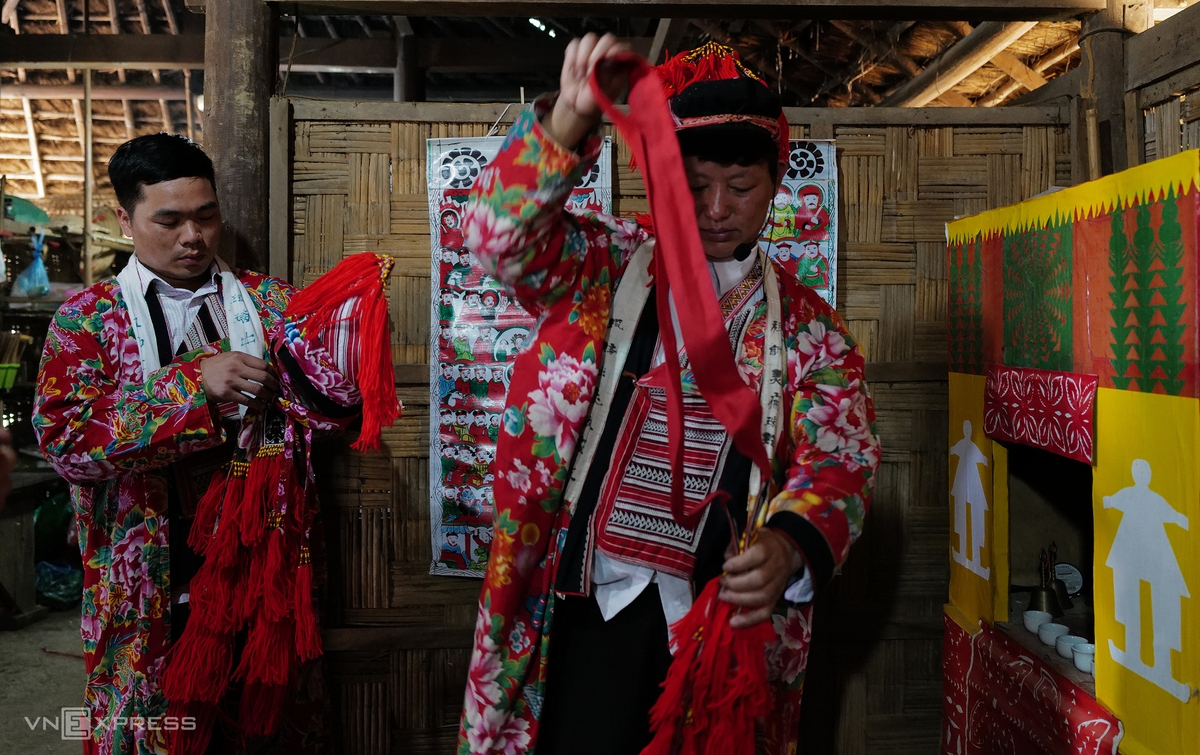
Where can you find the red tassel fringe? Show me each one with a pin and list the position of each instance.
(261, 481)
(275, 589)
(208, 508)
(262, 708)
(363, 277)
(308, 635)
(204, 651)
(212, 595)
(717, 685)
(267, 657)
(195, 741)
(710, 62)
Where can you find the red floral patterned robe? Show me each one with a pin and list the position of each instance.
(566, 268)
(113, 436)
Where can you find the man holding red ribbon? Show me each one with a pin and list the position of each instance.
(685, 412)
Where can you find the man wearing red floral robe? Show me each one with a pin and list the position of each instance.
(143, 381)
(588, 568)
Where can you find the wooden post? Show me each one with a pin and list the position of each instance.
(89, 177)
(280, 204)
(187, 104)
(406, 81)
(1103, 44)
(240, 68)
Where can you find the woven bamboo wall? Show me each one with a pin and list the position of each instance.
(1172, 126)
(397, 643)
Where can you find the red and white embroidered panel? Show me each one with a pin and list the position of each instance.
(999, 699)
(1041, 408)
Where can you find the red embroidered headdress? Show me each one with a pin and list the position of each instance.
(710, 88)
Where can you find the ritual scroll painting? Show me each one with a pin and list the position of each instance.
(477, 332)
(801, 233)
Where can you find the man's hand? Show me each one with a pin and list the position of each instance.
(756, 579)
(576, 112)
(241, 378)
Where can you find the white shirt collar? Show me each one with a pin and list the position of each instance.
(146, 276)
(728, 273)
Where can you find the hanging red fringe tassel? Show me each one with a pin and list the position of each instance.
(275, 583)
(262, 708)
(261, 481)
(208, 508)
(315, 308)
(716, 687)
(308, 635)
(266, 659)
(207, 652)
(193, 741)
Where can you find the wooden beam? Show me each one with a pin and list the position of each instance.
(878, 49)
(1005, 61)
(75, 92)
(784, 9)
(504, 55)
(89, 177)
(959, 62)
(1103, 41)
(407, 77)
(280, 194)
(1018, 71)
(35, 151)
(313, 54)
(142, 51)
(1054, 56)
(241, 65)
(667, 38)
(1163, 49)
(435, 112)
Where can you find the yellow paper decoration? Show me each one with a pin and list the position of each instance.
(1146, 499)
(1145, 183)
(972, 564)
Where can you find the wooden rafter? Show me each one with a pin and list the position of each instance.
(1051, 58)
(1005, 61)
(960, 61)
(853, 73)
(786, 38)
(35, 152)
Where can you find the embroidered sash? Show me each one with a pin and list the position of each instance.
(634, 522)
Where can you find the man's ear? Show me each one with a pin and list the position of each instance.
(126, 221)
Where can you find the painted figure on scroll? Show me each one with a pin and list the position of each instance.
(588, 567)
(180, 399)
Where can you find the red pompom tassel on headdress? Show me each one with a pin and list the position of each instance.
(361, 277)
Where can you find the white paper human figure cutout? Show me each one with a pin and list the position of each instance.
(1142, 552)
(967, 490)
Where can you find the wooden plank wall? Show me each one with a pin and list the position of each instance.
(397, 639)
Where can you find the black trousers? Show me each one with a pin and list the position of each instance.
(603, 677)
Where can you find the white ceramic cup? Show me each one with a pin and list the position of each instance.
(1049, 632)
(1085, 657)
(1063, 644)
(1034, 619)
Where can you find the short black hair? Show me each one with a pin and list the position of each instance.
(152, 159)
(731, 144)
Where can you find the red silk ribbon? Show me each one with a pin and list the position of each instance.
(682, 270)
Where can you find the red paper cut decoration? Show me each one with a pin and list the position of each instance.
(1041, 408)
(1001, 700)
